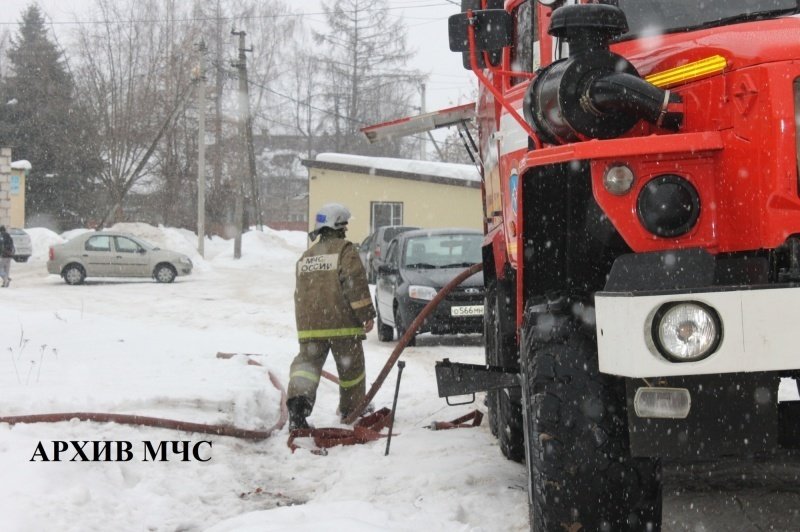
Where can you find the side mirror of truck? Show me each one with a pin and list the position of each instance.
(494, 30)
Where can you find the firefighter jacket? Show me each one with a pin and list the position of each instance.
(331, 297)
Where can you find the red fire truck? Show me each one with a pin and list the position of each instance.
(642, 254)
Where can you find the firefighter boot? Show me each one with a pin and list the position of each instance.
(299, 409)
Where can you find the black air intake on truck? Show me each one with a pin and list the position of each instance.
(594, 93)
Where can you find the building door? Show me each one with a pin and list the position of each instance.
(384, 213)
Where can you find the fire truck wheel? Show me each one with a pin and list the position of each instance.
(581, 472)
(505, 411)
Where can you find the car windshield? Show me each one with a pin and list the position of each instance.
(457, 250)
(651, 17)
(390, 232)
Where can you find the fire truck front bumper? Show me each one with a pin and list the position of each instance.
(698, 331)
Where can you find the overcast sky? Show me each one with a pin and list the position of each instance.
(449, 84)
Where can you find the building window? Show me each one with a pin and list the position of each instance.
(385, 213)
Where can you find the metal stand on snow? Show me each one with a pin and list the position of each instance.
(400, 366)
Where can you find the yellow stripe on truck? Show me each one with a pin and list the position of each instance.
(688, 72)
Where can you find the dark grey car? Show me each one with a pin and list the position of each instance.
(372, 249)
(417, 265)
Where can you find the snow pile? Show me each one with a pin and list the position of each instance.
(41, 240)
(464, 172)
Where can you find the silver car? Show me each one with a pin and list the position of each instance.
(114, 254)
(23, 248)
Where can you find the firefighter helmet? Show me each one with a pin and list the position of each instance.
(333, 215)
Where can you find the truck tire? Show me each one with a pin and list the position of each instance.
(505, 411)
(581, 474)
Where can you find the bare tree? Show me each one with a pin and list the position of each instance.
(175, 161)
(308, 117)
(365, 60)
(5, 39)
(269, 25)
(121, 76)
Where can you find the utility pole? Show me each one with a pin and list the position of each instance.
(201, 149)
(238, 209)
(246, 133)
(422, 154)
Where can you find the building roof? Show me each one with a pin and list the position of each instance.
(460, 175)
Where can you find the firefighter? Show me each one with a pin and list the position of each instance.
(334, 312)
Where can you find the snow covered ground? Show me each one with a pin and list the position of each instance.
(138, 347)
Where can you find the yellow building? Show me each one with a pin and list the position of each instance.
(12, 189)
(19, 172)
(383, 191)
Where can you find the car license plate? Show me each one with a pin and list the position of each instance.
(472, 310)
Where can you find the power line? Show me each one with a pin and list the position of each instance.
(232, 18)
(318, 109)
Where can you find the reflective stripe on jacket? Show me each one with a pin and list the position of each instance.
(331, 298)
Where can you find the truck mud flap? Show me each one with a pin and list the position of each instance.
(454, 378)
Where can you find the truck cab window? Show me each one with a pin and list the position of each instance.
(655, 17)
(522, 53)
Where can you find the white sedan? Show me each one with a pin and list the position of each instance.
(113, 254)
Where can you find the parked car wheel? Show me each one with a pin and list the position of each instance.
(402, 328)
(73, 274)
(21, 259)
(164, 273)
(385, 332)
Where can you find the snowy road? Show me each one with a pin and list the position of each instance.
(145, 348)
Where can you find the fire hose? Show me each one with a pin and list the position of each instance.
(129, 419)
(403, 341)
(227, 430)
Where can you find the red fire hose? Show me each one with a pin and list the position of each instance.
(227, 430)
(403, 342)
(128, 419)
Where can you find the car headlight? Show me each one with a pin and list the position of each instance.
(686, 331)
(186, 260)
(421, 292)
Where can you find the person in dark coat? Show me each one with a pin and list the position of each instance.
(6, 254)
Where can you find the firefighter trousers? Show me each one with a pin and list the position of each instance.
(307, 368)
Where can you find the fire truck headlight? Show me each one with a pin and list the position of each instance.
(618, 179)
(686, 331)
(668, 206)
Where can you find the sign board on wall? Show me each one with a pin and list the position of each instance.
(14, 185)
